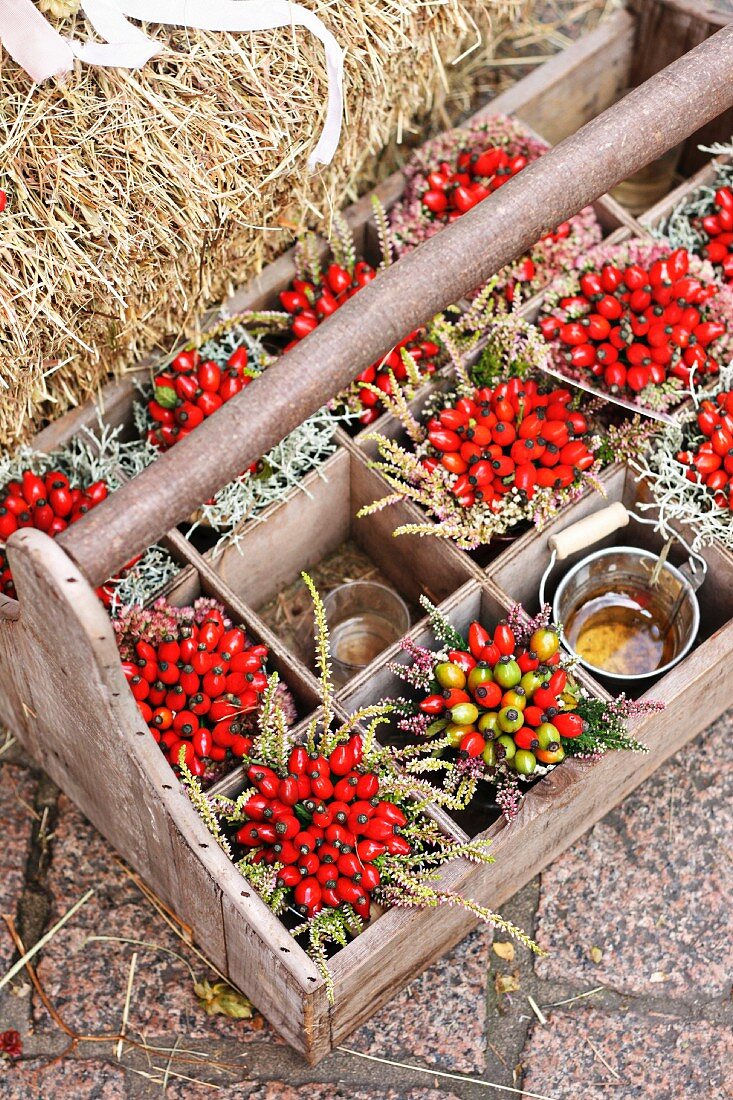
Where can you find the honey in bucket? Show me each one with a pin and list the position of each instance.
(625, 614)
(622, 631)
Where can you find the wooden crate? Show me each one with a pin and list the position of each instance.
(64, 695)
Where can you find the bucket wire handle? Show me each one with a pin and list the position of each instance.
(696, 560)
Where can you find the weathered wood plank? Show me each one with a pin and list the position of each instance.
(665, 30)
(574, 86)
(290, 535)
(81, 722)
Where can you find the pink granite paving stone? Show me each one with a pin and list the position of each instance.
(653, 1057)
(87, 981)
(277, 1090)
(650, 889)
(17, 789)
(439, 1018)
(71, 1079)
(709, 759)
(280, 1090)
(709, 764)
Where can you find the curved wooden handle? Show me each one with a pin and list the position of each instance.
(589, 530)
(629, 135)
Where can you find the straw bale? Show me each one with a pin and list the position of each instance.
(137, 199)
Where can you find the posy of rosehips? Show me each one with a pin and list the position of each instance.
(191, 390)
(637, 325)
(510, 706)
(49, 502)
(324, 822)
(197, 690)
(717, 228)
(452, 190)
(450, 174)
(511, 436)
(710, 463)
(310, 301)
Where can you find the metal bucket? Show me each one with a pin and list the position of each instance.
(631, 609)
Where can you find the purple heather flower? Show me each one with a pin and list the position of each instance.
(415, 724)
(471, 766)
(508, 797)
(634, 708)
(420, 672)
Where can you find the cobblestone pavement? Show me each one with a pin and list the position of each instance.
(633, 995)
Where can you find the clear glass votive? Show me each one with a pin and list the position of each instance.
(364, 618)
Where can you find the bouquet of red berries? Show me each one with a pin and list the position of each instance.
(49, 503)
(502, 705)
(315, 294)
(199, 381)
(485, 458)
(198, 682)
(504, 447)
(511, 436)
(328, 828)
(639, 320)
(191, 389)
(689, 468)
(703, 221)
(51, 491)
(458, 169)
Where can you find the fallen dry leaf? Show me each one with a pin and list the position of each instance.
(595, 954)
(506, 983)
(504, 950)
(221, 999)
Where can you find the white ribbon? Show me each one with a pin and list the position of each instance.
(39, 49)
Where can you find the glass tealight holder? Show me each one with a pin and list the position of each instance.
(364, 618)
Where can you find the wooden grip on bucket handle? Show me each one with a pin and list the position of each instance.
(589, 530)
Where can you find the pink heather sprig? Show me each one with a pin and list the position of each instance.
(148, 624)
(151, 624)
(548, 505)
(471, 767)
(416, 725)
(420, 672)
(508, 797)
(627, 709)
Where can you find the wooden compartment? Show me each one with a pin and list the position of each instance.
(198, 579)
(87, 733)
(519, 571)
(65, 696)
(292, 537)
